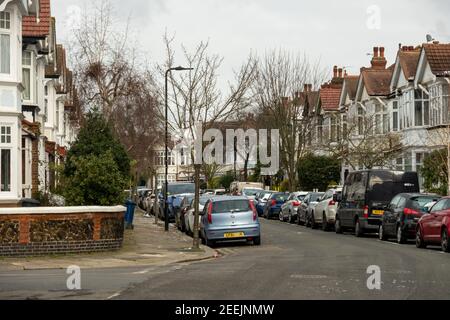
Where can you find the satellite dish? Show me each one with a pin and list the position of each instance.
(429, 38)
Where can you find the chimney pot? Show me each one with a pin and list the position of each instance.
(340, 72)
(375, 52)
(335, 71)
(309, 87)
(305, 88)
(382, 52)
(435, 42)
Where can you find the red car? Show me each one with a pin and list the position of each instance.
(434, 228)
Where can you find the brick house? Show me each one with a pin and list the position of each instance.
(35, 90)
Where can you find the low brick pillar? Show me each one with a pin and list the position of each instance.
(39, 231)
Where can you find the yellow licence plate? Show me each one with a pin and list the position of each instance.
(234, 235)
(378, 212)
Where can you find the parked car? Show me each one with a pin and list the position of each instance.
(367, 194)
(289, 210)
(325, 210)
(402, 215)
(173, 190)
(274, 203)
(251, 193)
(236, 187)
(227, 218)
(261, 200)
(307, 206)
(189, 215)
(434, 228)
(141, 195)
(182, 209)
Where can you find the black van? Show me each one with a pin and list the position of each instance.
(366, 195)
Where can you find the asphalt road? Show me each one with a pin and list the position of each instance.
(292, 263)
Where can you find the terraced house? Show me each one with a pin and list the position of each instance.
(36, 100)
(405, 107)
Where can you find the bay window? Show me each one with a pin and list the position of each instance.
(5, 158)
(439, 104)
(421, 108)
(5, 42)
(27, 75)
(381, 119)
(360, 121)
(395, 118)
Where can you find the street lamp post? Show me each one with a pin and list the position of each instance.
(166, 172)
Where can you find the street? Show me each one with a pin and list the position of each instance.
(292, 263)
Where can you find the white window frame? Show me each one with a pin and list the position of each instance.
(8, 32)
(31, 68)
(395, 111)
(7, 146)
(423, 100)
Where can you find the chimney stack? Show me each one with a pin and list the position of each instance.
(379, 61)
(309, 87)
(375, 52)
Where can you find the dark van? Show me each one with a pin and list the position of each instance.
(367, 194)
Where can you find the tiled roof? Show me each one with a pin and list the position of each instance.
(330, 96)
(376, 81)
(351, 83)
(38, 27)
(409, 61)
(438, 56)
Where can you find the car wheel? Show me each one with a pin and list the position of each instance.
(358, 229)
(307, 221)
(420, 243)
(290, 217)
(324, 223)
(381, 234)
(444, 241)
(337, 226)
(299, 220)
(257, 241)
(401, 239)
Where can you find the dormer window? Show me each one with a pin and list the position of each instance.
(5, 42)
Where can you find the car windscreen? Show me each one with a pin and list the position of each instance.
(181, 188)
(385, 185)
(421, 201)
(280, 197)
(316, 197)
(300, 198)
(265, 196)
(231, 206)
(251, 192)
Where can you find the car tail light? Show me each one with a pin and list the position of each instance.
(210, 212)
(252, 205)
(410, 212)
(366, 211)
(274, 203)
(331, 203)
(296, 204)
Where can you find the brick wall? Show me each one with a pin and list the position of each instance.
(53, 233)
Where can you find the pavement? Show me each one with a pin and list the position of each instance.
(146, 245)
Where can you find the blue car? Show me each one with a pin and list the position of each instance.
(227, 218)
(173, 191)
(274, 203)
(261, 200)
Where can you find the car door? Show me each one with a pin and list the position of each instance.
(397, 214)
(430, 222)
(304, 207)
(437, 221)
(388, 216)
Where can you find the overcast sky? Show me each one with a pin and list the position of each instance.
(339, 32)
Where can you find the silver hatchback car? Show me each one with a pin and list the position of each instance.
(228, 218)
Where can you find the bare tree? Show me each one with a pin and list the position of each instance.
(108, 78)
(361, 140)
(196, 97)
(280, 78)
